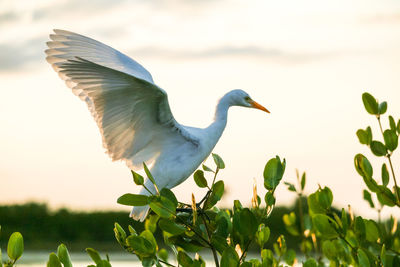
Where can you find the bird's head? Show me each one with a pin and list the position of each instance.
(241, 98)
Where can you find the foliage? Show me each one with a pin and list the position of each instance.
(326, 236)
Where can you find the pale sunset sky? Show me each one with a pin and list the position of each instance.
(307, 61)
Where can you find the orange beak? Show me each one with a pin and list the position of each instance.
(254, 104)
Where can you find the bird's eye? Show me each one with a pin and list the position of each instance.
(247, 98)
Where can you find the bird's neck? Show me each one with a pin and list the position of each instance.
(221, 116)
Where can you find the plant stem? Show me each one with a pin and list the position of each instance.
(209, 239)
(244, 252)
(166, 263)
(390, 163)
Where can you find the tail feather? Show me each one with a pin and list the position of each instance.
(139, 213)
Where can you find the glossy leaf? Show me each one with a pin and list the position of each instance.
(391, 139)
(151, 222)
(362, 258)
(200, 179)
(216, 194)
(63, 256)
(150, 176)
(289, 257)
(184, 260)
(386, 197)
(363, 166)
(273, 173)
(392, 123)
(218, 161)
(323, 225)
(262, 235)
(167, 193)
(370, 104)
(385, 175)
(371, 230)
(362, 136)
(329, 249)
(140, 245)
(378, 148)
(382, 107)
(303, 181)
(325, 197)
(53, 261)
(133, 200)
(270, 199)
(94, 255)
(162, 206)
(206, 168)
(290, 186)
(15, 246)
(171, 227)
(229, 258)
(137, 178)
(311, 262)
(368, 198)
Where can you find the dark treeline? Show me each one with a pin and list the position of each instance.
(43, 228)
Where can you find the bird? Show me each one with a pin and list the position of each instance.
(133, 113)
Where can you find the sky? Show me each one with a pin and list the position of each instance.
(307, 61)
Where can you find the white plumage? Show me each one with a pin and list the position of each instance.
(133, 113)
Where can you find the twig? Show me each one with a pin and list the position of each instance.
(209, 238)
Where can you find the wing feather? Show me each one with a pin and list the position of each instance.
(132, 113)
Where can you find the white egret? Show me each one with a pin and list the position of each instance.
(133, 113)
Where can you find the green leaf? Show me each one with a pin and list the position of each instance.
(323, 225)
(367, 197)
(325, 198)
(94, 255)
(63, 255)
(392, 123)
(391, 139)
(363, 166)
(162, 206)
(362, 258)
(382, 107)
(303, 181)
(200, 179)
(362, 136)
(171, 227)
(150, 176)
(329, 250)
(269, 199)
(262, 235)
(370, 104)
(383, 255)
(53, 261)
(218, 161)
(378, 148)
(344, 220)
(310, 263)
(15, 246)
(313, 204)
(289, 257)
(151, 222)
(147, 235)
(140, 245)
(184, 259)
(371, 230)
(119, 233)
(273, 173)
(163, 254)
(229, 258)
(137, 178)
(385, 175)
(290, 186)
(219, 243)
(398, 127)
(133, 200)
(359, 228)
(207, 169)
(216, 194)
(165, 192)
(248, 223)
(385, 196)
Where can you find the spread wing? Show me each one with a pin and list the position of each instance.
(132, 113)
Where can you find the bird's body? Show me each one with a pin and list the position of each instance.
(133, 113)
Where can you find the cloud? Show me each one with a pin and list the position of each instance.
(15, 56)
